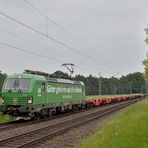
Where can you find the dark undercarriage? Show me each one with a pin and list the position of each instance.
(37, 111)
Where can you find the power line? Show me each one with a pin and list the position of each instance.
(46, 18)
(36, 54)
(63, 29)
(19, 22)
(30, 52)
(46, 25)
(37, 45)
(42, 14)
(58, 42)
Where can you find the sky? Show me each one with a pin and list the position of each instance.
(97, 36)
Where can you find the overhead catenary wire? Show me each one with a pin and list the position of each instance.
(23, 24)
(64, 30)
(46, 18)
(30, 52)
(46, 26)
(58, 42)
(42, 47)
(41, 13)
(36, 54)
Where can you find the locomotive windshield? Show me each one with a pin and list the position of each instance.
(17, 83)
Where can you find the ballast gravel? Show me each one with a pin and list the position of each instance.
(73, 137)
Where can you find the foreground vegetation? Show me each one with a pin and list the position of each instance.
(4, 118)
(128, 129)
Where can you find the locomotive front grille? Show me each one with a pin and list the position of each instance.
(18, 101)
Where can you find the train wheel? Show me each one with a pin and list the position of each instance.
(37, 116)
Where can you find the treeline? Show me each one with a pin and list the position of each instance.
(2, 78)
(131, 83)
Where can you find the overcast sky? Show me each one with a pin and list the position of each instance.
(111, 34)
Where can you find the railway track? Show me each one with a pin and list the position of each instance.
(35, 137)
(11, 125)
(15, 124)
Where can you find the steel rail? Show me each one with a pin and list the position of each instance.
(16, 123)
(5, 126)
(36, 136)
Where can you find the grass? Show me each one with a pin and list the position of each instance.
(127, 129)
(4, 118)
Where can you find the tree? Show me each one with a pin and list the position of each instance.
(145, 63)
(2, 78)
(60, 74)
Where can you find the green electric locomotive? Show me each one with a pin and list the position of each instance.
(35, 94)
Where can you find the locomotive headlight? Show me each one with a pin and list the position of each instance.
(3, 101)
(30, 99)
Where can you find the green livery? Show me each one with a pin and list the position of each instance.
(36, 93)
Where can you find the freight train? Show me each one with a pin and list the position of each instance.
(35, 94)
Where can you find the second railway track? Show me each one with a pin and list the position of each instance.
(32, 138)
(15, 124)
